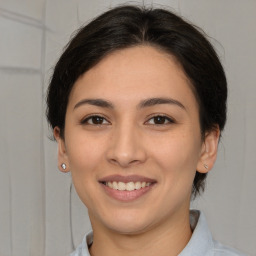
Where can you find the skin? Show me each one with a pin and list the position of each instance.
(128, 141)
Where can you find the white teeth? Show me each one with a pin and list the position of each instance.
(130, 186)
(121, 186)
(109, 184)
(114, 185)
(138, 185)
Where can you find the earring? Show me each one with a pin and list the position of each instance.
(206, 166)
(63, 166)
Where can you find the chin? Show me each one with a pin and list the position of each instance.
(128, 224)
(129, 228)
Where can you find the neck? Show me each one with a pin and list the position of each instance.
(167, 238)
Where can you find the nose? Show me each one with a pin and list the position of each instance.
(126, 146)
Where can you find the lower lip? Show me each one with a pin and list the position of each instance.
(124, 195)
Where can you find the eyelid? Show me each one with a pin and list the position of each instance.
(85, 119)
(171, 120)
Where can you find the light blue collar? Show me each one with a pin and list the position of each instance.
(201, 243)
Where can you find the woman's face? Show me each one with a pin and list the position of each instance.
(133, 141)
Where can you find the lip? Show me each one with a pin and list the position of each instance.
(124, 195)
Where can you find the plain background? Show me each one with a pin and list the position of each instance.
(40, 214)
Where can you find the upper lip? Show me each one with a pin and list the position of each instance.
(126, 179)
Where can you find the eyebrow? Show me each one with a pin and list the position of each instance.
(157, 101)
(143, 104)
(95, 102)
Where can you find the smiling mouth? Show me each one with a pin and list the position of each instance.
(126, 188)
(129, 186)
(126, 191)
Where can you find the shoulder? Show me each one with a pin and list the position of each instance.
(222, 250)
(202, 242)
(78, 251)
(83, 248)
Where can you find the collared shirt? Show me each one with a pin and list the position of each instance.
(201, 242)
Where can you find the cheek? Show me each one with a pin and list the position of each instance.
(84, 158)
(177, 150)
(177, 159)
(82, 151)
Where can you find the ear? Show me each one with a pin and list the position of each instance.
(62, 153)
(209, 151)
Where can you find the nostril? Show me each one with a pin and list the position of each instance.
(113, 161)
(134, 161)
(124, 162)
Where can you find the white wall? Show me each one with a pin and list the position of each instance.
(22, 204)
(40, 213)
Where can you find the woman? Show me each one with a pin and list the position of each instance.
(137, 103)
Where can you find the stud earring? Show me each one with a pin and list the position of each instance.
(206, 166)
(63, 166)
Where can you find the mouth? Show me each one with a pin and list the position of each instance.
(126, 188)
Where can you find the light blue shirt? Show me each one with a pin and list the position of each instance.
(201, 243)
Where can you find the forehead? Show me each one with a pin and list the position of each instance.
(136, 72)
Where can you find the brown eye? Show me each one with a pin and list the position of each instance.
(95, 120)
(158, 120)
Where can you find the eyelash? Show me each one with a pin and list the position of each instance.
(86, 120)
(167, 120)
